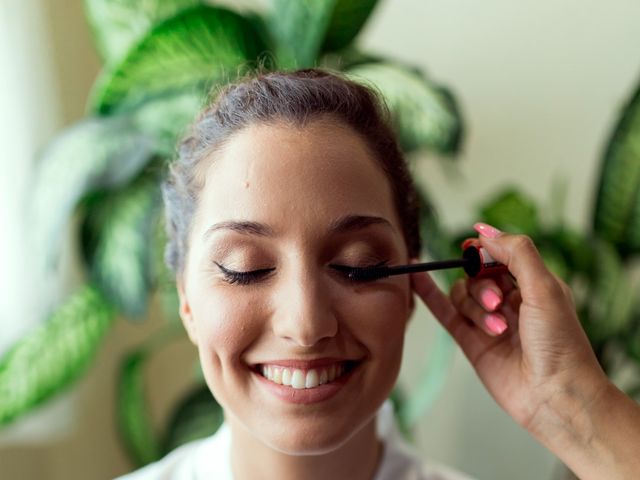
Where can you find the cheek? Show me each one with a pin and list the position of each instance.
(378, 317)
(227, 323)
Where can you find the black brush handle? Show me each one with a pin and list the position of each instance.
(425, 267)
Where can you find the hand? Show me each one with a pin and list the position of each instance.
(523, 337)
(525, 341)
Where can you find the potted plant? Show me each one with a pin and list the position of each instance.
(162, 58)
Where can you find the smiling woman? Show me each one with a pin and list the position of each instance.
(287, 183)
(284, 181)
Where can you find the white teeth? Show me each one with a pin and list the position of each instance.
(312, 379)
(286, 377)
(298, 379)
(323, 376)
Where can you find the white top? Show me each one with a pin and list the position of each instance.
(209, 458)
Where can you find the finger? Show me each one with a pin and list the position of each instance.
(498, 285)
(459, 327)
(485, 292)
(523, 260)
(511, 308)
(492, 323)
(433, 298)
(472, 340)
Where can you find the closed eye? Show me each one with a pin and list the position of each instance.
(352, 273)
(243, 278)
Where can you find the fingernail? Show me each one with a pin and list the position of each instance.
(487, 230)
(490, 299)
(495, 324)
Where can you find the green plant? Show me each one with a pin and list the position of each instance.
(601, 263)
(161, 59)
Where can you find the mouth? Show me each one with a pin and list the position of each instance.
(300, 378)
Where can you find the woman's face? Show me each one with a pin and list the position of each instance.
(262, 302)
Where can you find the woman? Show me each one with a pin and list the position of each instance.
(283, 180)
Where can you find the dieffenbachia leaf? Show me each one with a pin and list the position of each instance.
(140, 439)
(165, 118)
(633, 343)
(117, 233)
(97, 153)
(575, 248)
(199, 415)
(118, 24)
(511, 211)
(49, 359)
(347, 19)
(193, 51)
(424, 114)
(435, 240)
(298, 30)
(617, 208)
(162, 276)
(610, 304)
(554, 260)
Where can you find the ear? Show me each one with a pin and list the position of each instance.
(185, 312)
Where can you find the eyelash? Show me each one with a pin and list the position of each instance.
(243, 278)
(246, 278)
(347, 270)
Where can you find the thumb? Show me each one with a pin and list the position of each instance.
(523, 260)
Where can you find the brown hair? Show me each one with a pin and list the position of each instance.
(296, 97)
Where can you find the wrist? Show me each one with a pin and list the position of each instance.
(593, 428)
(563, 418)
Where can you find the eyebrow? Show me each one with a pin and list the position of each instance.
(244, 227)
(345, 224)
(350, 223)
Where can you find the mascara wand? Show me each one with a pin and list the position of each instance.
(475, 261)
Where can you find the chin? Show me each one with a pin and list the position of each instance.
(301, 440)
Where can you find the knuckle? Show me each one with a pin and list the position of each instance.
(524, 243)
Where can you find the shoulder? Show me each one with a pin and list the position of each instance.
(193, 460)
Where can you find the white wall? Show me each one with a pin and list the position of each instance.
(539, 83)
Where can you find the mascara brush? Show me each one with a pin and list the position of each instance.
(475, 261)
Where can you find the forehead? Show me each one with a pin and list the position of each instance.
(286, 175)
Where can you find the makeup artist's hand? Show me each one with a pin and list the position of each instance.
(526, 344)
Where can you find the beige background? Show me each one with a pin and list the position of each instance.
(539, 83)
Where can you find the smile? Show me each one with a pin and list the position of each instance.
(300, 378)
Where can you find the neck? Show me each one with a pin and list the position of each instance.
(356, 459)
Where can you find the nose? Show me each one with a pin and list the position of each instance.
(304, 313)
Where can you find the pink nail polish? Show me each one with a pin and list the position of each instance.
(495, 324)
(487, 230)
(490, 299)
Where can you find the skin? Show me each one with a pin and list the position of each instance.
(541, 369)
(297, 185)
